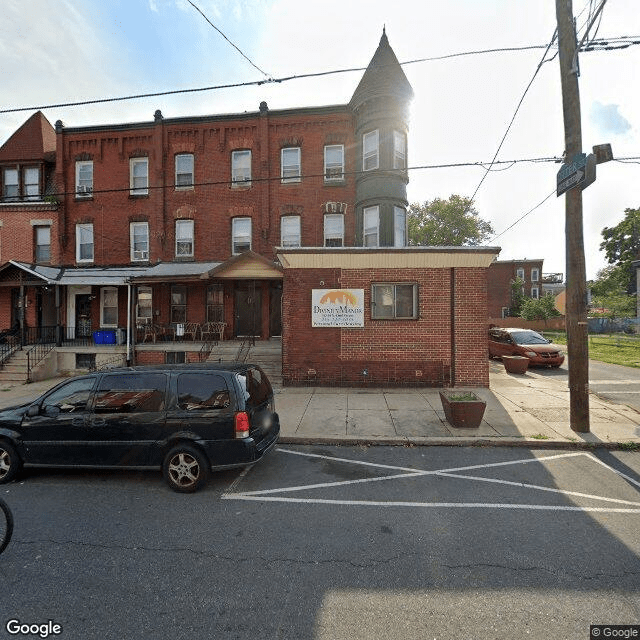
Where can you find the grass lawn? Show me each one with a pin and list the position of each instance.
(618, 348)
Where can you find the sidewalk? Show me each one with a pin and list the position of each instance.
(522, 410)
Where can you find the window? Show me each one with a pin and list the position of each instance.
(10, 187)
(399, 227)
(144, 308)
(370, 150)
(333, 162)
(174, 357)
(184, 238)
(241, 168)
(399, 150)
(535, 275)
(139, 232)
(131, 393)
(535, 293)
(84, 179)
(139, 176)
(215, 303)
(202, 391)
(291, 165)
(394, 301)
(42, 244)
(241, 235)
(334, 230)
(184, 171)
(109, 307)
(290, 231)
(72, 397)
(371, 226)
(178, 303)
(84, 243)
(505, 312)
(520, 273)
(32, 183)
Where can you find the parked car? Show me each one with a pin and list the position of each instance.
(524, 342)
(183, 419)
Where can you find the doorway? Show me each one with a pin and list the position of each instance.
(83, 316)
(275, 310)
(248, 310)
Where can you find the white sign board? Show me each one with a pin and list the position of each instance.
(337, 307)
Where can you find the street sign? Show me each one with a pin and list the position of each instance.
(571, 174)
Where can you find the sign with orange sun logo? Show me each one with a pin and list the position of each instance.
(337, 307)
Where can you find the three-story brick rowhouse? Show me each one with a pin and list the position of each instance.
(169, 235)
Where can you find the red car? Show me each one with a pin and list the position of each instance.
(524, 342)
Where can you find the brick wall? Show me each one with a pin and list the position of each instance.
(404, 352)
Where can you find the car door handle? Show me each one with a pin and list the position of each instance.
(77, 422)
(98, 422)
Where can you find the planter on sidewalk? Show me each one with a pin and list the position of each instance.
(516, 364)
(462, 409)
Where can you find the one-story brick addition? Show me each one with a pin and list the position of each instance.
(424, 316)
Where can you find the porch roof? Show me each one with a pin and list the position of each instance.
(175, 271)
(99, 276)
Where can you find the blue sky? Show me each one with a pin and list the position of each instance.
(69, 50)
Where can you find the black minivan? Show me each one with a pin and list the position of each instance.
(183, 419)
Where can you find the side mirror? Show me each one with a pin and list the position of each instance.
(33, 410)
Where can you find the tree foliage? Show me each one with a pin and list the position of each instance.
(517, 297)
(609, 297)
(621, 245)
(541, 309)
(451, 223)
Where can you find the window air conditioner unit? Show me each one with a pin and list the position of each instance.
(84, 189)
(140, 255)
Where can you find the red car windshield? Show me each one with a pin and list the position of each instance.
(528, 337)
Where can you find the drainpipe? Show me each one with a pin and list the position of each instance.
(452, 379)
(128, 322)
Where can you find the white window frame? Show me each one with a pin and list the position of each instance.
(399, 227)
(291, 237)
(31, 188)
(238, 234)
(368, 214)
(333, 235)
(333, 171)
(535, 274)
(240, 172)
(38, 230)
(84, 179)
(290, 171)
(147, 294)
(104, 291)
(135, 186)
(399, 150)
(82, 230)
(10, 188)
(185, 236)
(392, 293)
(520, 273)
(371, 150)
(139, 254)
(535, 293)
(180, 183)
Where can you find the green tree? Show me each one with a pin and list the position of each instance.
(609, 297)
(451, 223)
(541, 309)
(621, 245)
(517, 297)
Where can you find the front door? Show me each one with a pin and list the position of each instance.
(248, 310)
(275, 310)
(83, 316)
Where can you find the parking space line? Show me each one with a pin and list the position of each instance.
(623, 475)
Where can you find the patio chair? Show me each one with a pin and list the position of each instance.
(211, 331)
(192, 330)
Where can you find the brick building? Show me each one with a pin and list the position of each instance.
(502, 273)
(167, 229)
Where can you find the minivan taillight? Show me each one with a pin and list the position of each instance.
(242, 425)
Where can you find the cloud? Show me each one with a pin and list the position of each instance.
(608, 119)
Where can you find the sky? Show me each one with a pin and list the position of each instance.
(75, 50)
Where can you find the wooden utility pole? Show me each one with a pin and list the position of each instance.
(576, 304)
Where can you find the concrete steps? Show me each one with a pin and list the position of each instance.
(265, 353)
(15, 368)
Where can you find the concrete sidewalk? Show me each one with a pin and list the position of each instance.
(530, 410)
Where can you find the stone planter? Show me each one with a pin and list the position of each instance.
(515, 364)
(462, 409)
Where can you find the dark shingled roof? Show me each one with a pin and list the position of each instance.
(34, 140)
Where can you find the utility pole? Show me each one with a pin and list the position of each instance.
(576, 304)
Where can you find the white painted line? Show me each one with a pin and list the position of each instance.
(503, 464)
(350, 461)
(622, 475)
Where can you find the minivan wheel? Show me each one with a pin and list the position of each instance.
(185, 469)
(9, 462)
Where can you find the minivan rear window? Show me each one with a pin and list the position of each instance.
(131, 393)
(256, 387)
(202, 391)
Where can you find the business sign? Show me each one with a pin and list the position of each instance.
(337, 307)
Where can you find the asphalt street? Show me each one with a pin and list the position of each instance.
(333, 542)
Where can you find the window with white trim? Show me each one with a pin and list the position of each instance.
(42, 243)
(399, 227)
(184, 238)
(535, 275)
(290, 235)
(371, 231)
(31, 183)
(84, 179)
(241, 168)
(370, 149)
(240, 235)
(291, 165)
(333, 162)
(144, 308)
(109, 307)
(10, 184)
(394, 301)
(520, 273)
(399, 150)
(84, 243)
(334, 230)
(139, 237)
(184, 171)
(535, 293)
(139, 176)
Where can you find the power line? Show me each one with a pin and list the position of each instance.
(522, 217)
